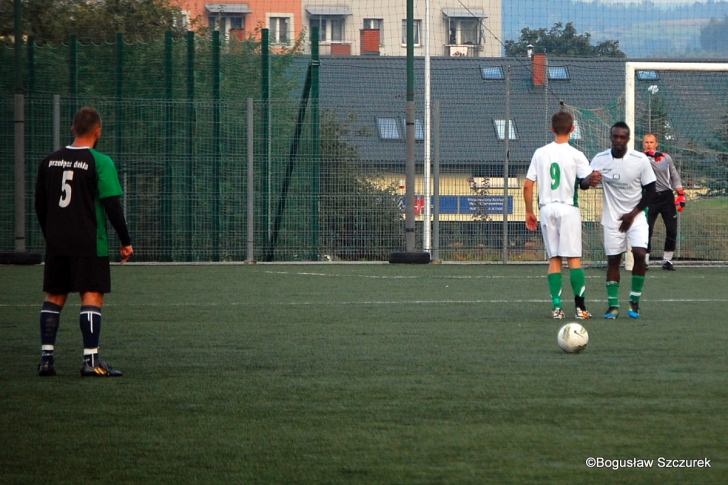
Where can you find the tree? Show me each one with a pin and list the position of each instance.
(92, 20)
(562, 40)
(655, 119)
(360, 215)
(714, 36)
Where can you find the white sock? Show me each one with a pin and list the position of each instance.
(667, 255)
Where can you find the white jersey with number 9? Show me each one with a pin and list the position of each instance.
(555, 168)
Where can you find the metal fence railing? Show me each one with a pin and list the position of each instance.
(185, 182)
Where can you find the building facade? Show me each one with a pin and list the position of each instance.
(378, 27)
(282, 17)
(359, 27)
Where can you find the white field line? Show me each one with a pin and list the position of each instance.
(590, 264)
(434, 277)
(370, 302)
(409, 277)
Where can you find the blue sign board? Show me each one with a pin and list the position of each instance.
(465, 204)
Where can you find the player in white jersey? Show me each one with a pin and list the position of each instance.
(557, 169)
(629, 186)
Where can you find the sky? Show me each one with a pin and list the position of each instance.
(656, 2)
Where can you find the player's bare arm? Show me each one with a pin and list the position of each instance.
(126, 252)
(531, 221)
(592, 180)
(648, 192)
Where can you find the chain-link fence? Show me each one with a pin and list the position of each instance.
(334, 189)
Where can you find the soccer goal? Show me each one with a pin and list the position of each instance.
(685, 105)
(647, 72)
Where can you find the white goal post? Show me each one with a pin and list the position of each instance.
(629, 81)
(630, 70)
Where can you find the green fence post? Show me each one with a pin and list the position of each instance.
(409, 226)
(119, 47)
(31, 65)
(190, 137)
(265, 125)
(119, 84)
(119, 121)
(167, 177)
(316, 149)
(73, 72)
(31, 130)
(18, 42)
(216, 145)
(21, 207)
(21, 210)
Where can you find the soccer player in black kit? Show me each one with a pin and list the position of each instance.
(77, 189)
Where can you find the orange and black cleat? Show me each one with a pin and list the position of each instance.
(97, 367)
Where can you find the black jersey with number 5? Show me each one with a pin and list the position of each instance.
(70, 185)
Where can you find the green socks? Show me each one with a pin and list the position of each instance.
(613, 293)
(637, 283)
(578, 282)
(555, 288)
(634, 296)
(578, 285)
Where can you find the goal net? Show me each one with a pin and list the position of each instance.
(685, 105)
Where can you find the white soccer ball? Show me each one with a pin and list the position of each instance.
(572, 338)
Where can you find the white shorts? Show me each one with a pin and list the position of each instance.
(561, 230)
(615, 242)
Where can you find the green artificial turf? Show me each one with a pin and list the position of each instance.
(365, 374)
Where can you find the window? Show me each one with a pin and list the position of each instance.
(183, 19)
(492, 73)
(419, 129)
(464, 31)
(417, 28)
(226, 23)
(576, 134)
(388, 129)
(280, 29)
(559, 73)
(331, 28)
(226, 17)
(647, 75)
(500, 129)
(376, 24)
(236, 22)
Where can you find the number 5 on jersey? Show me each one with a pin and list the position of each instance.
(65, 199)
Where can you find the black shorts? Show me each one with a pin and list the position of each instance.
(71, 274)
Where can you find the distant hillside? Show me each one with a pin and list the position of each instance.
(643, 30)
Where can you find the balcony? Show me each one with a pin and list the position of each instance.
(335, 48)
(462, 50)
